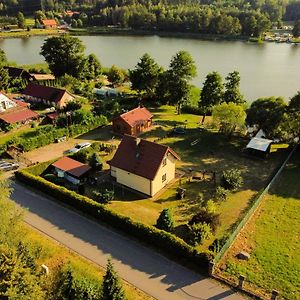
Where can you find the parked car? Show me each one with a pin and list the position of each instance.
(9, 166)
(79, 147)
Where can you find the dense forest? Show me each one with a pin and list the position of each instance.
(233, 17)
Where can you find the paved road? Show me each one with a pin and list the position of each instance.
(142, 267)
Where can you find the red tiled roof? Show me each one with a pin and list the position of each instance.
(143, 159)
(12, 116)
(49, 22)
(71, 166)
(21, 103)
(53, 116)
(139, 114)
(44, 92)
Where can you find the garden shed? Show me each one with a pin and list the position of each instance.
(71, 170)
(259, 146)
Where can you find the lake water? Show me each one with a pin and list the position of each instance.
(266, 69)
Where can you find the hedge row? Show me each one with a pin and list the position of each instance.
(48, 134)
(163, 241)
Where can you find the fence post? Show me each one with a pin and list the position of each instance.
(274, 295)
(211, 267)
(241, 282)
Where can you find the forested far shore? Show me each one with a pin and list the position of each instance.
(234, 18)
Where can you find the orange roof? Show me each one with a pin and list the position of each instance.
(49, 22)
(21, 114)
(136, 115)
(143, 158)
(71, 166)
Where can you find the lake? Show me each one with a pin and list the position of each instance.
(268, 69)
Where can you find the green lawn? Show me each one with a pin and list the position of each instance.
(273, 239)
(23, 131)
(214, 152)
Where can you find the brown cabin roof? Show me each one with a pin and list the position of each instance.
(140, 157)
(49, 22)
(71, 166)
(17, 114)
(136, 115)
(44, 92)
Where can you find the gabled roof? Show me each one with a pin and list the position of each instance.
(36, 76)
(140, 157)
(17, 72)
(136, 115)
(18, 114)
(49, 22)
(44, 92)
(259, 144)
(71, 166)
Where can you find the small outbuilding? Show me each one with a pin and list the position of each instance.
(133, 122)
(71, 170)
(259, 146)
(49, 23)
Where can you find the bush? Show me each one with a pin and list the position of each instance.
(207, 217)
(96, 162)
(198, 233)
(221, 194)
(164, 241)
(232, 179)
(103, 197)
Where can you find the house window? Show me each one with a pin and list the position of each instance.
(164, 162)
(164, 178)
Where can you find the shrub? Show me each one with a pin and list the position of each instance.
(96, 162)
(221, 194)
(203, 216)
(198, 233)
(165, 220)
(103, 197)
(211, 206)
(232, 179)
(217, 244)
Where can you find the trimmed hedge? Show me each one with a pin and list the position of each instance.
(162, 240)
(48, 134)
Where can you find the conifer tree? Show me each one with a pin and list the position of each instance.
(112, 287)
(165, 220)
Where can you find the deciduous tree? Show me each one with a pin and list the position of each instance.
(232, 86)
(64, 55)
(229, 116)
(145, 76)
(212, 92)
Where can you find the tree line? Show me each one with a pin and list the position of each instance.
(234, 18)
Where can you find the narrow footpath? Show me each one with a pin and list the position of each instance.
(142, 267)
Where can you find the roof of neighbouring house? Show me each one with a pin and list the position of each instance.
(49, 22)
(44, 92)
(18, 114)
(136, 115)
(17, 72)
(259, 144)
(140, 157)
(42, 76)
(71, 166)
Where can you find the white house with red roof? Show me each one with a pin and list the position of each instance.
(143, 165)
(133, 122)
(14, 111)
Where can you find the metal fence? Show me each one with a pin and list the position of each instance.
(251, 211)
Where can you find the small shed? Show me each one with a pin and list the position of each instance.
(71, 170)
(259, 146)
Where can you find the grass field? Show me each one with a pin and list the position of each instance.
(32, 32)
(273, 239)
(53, 255)
(213, 152)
